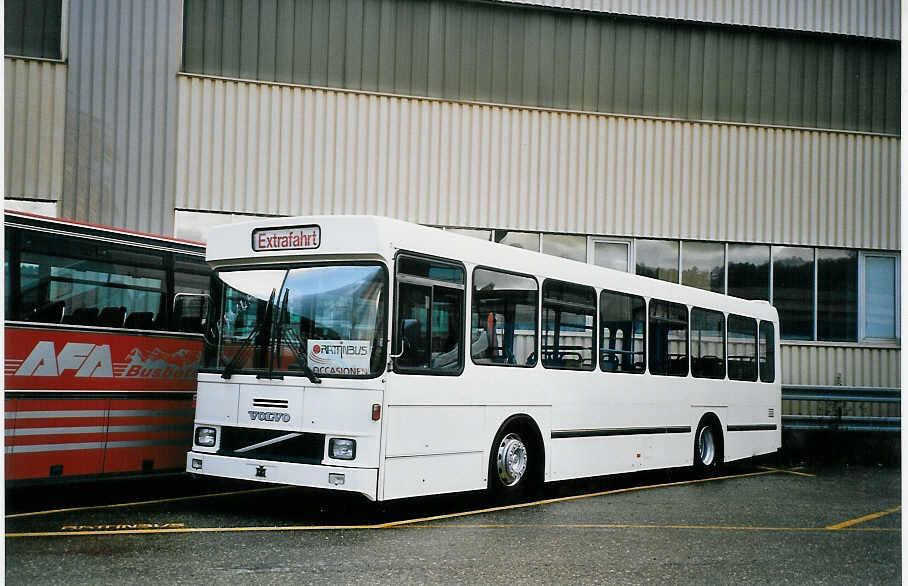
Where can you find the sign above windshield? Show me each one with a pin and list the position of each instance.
(294, 238)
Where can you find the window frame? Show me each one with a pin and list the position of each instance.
(775, 341)
(594, 332)
(538, 313)
(645, 330)
(591, 250)
(862, 297)
(650, 337)
(724, 344)
(756, 341)
(395, 324)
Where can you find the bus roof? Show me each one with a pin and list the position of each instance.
(358, 236)
(37, 221)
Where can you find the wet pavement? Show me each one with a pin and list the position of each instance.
(756, 524)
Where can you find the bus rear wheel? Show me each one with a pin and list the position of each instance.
(513, 463)
(707, 448)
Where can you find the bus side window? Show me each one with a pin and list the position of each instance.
(81, 282)
(568, 318)
(667, 338)
(707, 344)
(767, 352)
(429, 326)
(503, 319)
(622, 332)
(742, 348)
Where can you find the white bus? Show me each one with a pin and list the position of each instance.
(367, 354)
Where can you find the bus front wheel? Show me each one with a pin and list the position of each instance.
(707, 447)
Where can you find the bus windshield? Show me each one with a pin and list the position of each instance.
(313, 321)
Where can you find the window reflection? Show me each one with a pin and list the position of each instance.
(748, 271)
(565, 246)
(525, 240)
(792, 291)
(658, 259)
(703, 266)
(837, 295)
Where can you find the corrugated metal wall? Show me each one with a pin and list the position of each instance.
(858, 366)
(501, 53)
(34, 109)
(263, 148)
(866, 18)
(121, 113)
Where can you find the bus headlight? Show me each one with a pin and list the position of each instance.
(205, 436)
(342, 449)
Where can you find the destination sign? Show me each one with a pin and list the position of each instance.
(295, 238)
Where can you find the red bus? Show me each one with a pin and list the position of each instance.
(103, 340)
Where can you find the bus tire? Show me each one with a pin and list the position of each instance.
(708, 446)
(515, 460)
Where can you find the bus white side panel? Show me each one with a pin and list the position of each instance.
(430, 429)
(593, 456)
(423, 475)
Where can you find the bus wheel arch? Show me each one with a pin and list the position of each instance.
(516, 458)
(709, 445)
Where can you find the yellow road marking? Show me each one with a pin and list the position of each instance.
(869, 517)
(389, 525)
(150, 502)
(456, 526)
(572, 498)
(794, 471)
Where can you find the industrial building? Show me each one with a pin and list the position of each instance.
(745, 147)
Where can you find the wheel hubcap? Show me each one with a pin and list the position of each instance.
(706, 446)
(512, 459)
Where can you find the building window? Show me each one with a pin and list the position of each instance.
(568, 315)
(471, 232)
(611, 254)
(658, 259)
(748, 271)
(837, 295)
(32, 28)
(622, 327)
(503, 318)
(792, 291)
(703, 265)
(565, 246)
(525, 240)
(881, 291)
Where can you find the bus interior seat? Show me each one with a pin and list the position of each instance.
(112, 317)
(140, 320)
(51, 313)
(190, 324)
(83, 316)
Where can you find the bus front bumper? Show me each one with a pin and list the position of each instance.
(362, 480)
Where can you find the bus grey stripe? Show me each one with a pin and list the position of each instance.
(760, 427)
(573, 433)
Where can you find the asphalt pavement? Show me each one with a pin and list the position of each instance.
(758, 524)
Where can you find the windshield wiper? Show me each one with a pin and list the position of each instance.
(294, 342)
(229, 368)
